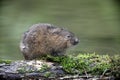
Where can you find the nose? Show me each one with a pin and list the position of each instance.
(76, 41)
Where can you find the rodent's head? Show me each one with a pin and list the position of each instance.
(67, 36)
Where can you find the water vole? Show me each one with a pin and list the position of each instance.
(42, 39)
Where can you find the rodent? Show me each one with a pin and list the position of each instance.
(42, 38)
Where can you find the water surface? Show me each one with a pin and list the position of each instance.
(95, 22)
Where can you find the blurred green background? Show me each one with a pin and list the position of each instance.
(95, 22)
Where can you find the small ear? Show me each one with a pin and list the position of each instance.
(55, 30)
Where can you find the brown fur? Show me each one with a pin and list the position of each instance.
(42, 39)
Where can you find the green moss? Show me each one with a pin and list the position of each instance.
(5, 61)
(47, 74)
(21, 70)
(90, 63)
(81, 64)
(26, 69)
(115, 66)
(43, 68)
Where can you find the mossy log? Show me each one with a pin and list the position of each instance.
(81, 67)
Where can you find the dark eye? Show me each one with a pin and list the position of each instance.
(68, 36)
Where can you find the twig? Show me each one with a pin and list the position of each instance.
(103, 73)
(86, 73)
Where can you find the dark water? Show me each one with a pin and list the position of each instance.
(95, 22)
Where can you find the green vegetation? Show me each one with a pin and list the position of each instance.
(25, 69)
(43, 68)
(47, 74)
(5, 61)
(115, 66)
(93, 64)
(22, 70)
(89, 64)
